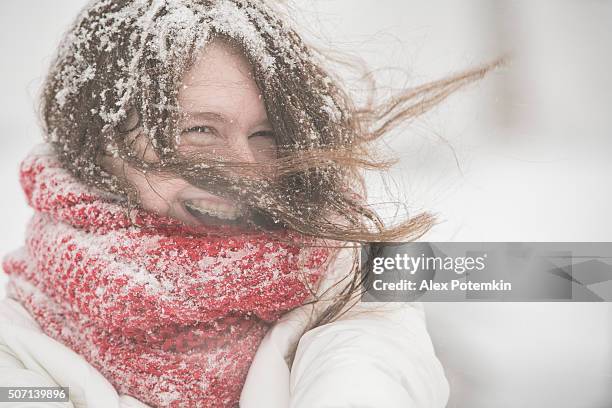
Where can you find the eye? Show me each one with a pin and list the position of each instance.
(263, 133)
(200, 135)
(199, 129)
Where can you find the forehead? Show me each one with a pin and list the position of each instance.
(221, 80)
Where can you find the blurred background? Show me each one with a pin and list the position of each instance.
(522, 155)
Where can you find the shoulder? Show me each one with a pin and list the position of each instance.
(367, 326)
(378, 354)
(28, 357)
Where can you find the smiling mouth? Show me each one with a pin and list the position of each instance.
(214, 214)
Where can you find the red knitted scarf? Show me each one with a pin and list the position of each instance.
(169, 314)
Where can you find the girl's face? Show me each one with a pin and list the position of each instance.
(224, 114)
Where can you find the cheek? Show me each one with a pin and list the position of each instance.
(158, 194)
(155, 193)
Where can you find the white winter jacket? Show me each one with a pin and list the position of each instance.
(379, 355)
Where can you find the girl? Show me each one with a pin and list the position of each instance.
(197, 206)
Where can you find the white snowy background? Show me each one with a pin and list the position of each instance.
(521, 156)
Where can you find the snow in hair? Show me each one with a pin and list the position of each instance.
(125, 59)
(167, 29)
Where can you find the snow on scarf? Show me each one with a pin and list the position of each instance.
(169, 314)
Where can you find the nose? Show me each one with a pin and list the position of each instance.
(241, 150)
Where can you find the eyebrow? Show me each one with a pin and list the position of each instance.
(219, 117)
(208, 115)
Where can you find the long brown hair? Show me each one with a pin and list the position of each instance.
(127, 57)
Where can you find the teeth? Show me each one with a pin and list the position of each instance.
(218, 210)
